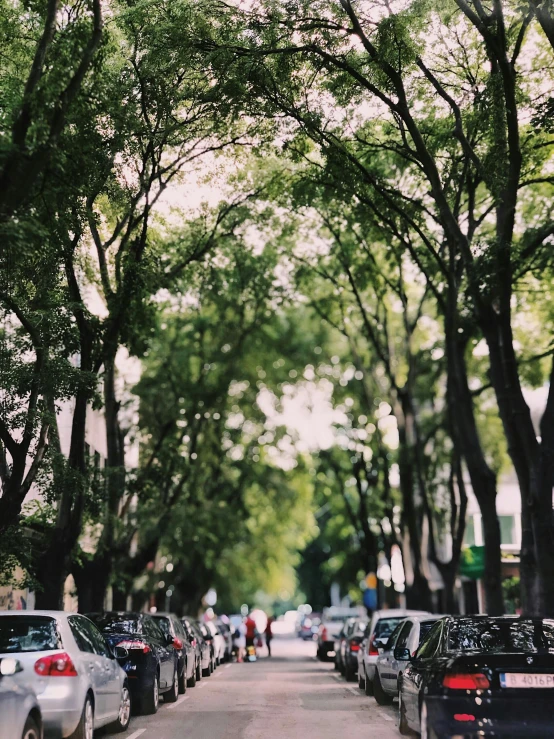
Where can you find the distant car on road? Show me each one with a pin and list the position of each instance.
(76, 677)
(401, 646)
(351, 637)
(218, 642)
(309, 627)
(481, 676)
(20, 716)
(332, 621)
(201, 648)
(227, 634)
(381, 626)
(151, 662)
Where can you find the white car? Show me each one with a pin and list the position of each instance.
(20, 716)
(402, 645)
(77, 680)
(218, 640)
(381, 626)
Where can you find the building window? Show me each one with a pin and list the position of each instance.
(507, 529)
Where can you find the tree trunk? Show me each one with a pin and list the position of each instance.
(483, 480)
(90, 581)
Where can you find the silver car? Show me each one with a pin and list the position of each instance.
(77, 680)
(20, 716)
(392, 662)
(381, 626)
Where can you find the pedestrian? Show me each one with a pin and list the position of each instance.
(250, 630)
(269, 635)
(240, 641)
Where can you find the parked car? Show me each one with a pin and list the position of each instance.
(338, 643)
(481, 676)
(218, 642)
(402, 644)
(209, 639)
(225, 631)
(78, 682)
(19, 709)
(352, 636)
(309, 627)
(170, 624)
(381, 626)
(200, 646)
(330, 627)
(151, 660)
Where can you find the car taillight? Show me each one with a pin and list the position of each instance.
(354, 647)
(464, 717)
(459, 681)
(372, 649)
(324, 634)
(55, 665)
(177, 643)
(131, 644)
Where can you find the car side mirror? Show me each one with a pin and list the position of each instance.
(10, 666)
(169, 640)
(120, 653)
(402, 654)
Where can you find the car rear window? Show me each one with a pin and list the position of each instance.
(424, 629)
(28, 634)
(385, 626)
(163, 623)
(108, 622)
(500, 636)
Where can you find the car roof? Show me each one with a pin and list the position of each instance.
(51, 614)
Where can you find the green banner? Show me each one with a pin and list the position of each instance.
(472, 562)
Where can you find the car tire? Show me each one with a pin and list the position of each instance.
(191, 682)
(403, 726)
(368, 686)
(349, 674)
(183, 681)
(361, 680)
(382, 698)
(199, 672)
(85, 729)
(151, 701)
(31, 730)
(124, 716)
(173, 693)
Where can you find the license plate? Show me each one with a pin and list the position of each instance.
(526, 680)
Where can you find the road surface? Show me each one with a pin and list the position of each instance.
(290, 696)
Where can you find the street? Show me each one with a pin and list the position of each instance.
(290, 696)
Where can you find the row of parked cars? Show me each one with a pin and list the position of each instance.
(72, 674)
(454, 676)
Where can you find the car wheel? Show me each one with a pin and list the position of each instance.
(85, 729)
(192, 679)
(403, 727)
(183, 681)
(124, 715)
(31, 730)
(361, 678)
(151, 701)
(173, 693)
(426, 731)
(382, 698)
(199, 672)
(349, 674)
(368, 686)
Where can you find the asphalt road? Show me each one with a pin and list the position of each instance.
(290, 696)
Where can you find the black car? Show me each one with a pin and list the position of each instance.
(151, 664)
(201, 647)
(172, 627)
(478, 676)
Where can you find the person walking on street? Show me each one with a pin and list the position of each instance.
(268, 635)
(250, 631)
(240, 641)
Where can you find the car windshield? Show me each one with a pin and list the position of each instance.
(385, 626)
(467, 635)
(28, 634)
(111, 622)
